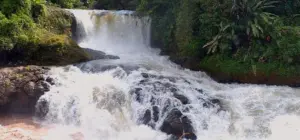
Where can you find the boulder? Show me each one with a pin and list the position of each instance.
(178, 125)
(147, 117)
(184, 100)
(21, 87)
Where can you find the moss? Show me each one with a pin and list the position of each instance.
(5, 43)
(58, 50)
(7, 83)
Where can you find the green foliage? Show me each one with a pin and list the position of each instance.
(9, 7)
(67, 3)
(219, 63)
(32, 33)
(113, 4)
(5, 43)
(253, 35)
(249, 22)
(56, 20)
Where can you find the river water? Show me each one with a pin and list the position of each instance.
(96, 100)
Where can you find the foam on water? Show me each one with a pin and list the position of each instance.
(100, 105)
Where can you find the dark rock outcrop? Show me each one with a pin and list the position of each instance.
(147, 117)
(184, 100)
(42, 108)
(178, 125)
(95, 54)
(21, 87)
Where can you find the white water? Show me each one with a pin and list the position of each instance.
(99, 104)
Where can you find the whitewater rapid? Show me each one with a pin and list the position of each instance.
(98, 103)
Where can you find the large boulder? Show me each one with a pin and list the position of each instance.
(21, 87)
(178, 125)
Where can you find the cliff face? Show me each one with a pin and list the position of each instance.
(21, 87)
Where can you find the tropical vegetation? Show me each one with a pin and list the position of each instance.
(235, 36)
(33, 33)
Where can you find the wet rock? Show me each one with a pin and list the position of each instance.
(137, 93)
(213, 103)
(199, 90)
(145, 75)
(50, 80)
(178, 125)
(95, 54)
(206, 105)
(42, 108)
(186, 81)
(189, 136)
(147, 117)
(155, 113)
(173, 90)
(216, 102)
(166, 106)
(21, 87)
(153, 100)
(184, 100)
(144, 81)
(187, 125)
(172, 124)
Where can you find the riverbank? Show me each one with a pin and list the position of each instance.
(228, 70)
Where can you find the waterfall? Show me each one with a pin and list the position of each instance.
(134, 97)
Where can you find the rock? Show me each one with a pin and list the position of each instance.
(111, 57)
(184, 100)
(216, 102)
(178, 125)
(42, 108)
(21, 87)
(29, 88)
(138, 94)
(147, 117)
(199, 90)
(50, 81)
(145, 75)
(188, 128)
(95, 54)
(155, 113)
(172, 124)
(213, 103)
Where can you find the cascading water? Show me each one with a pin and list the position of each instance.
(131, 98)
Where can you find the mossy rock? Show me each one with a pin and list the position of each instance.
(45, 40)
(58, 50)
